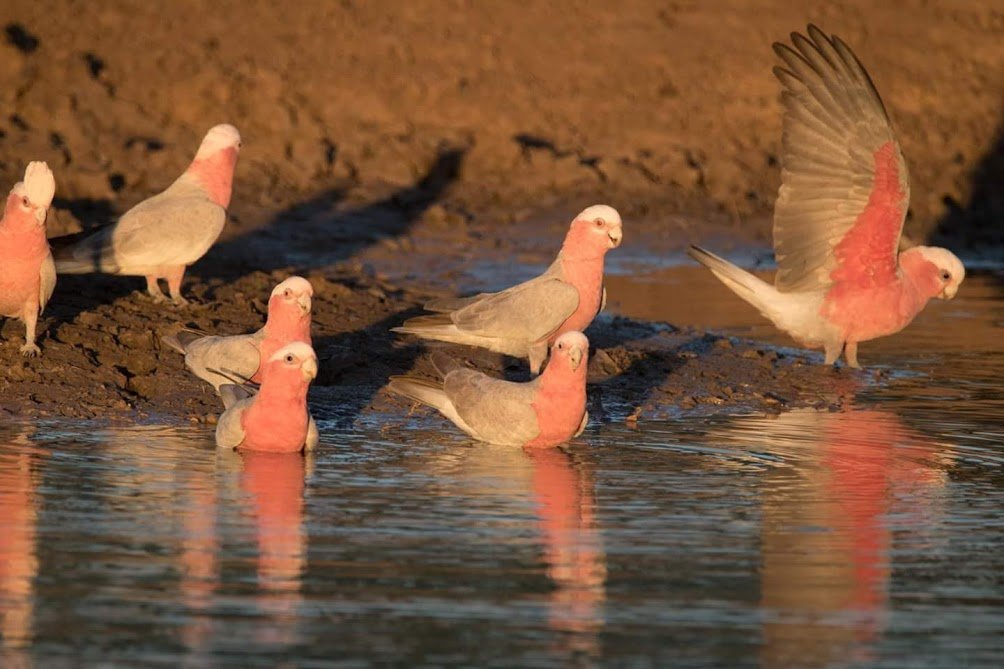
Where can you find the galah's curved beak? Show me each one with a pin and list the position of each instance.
(39, 213)
(304, 302)
(575, 357)
(309, 369)
(615, 236)
(949, 292)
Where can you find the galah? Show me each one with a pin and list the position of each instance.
(839, 212)
(524, 320)
(221, 360)
(547, 411)
(27, 274)
(276, 418)
(162, 235)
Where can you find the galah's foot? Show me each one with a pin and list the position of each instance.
(30, 350)
(179, 301)
(158, 298)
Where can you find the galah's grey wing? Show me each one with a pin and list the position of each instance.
(530, 311)
(224, 359)
(47, 274)
(166, 231)
(313, 436)
(499, 411)
(448, 304)
(229, 431)
(844, 185)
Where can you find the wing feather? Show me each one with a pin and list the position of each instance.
(844, 187)
(530, 311)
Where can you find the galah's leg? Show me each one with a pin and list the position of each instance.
(851, 354)
(537, 354)
(833, 349)
(30, 316)
(174, 277)
(154, 290)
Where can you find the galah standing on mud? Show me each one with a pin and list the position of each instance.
(221, 360)
(839, 213)
(276, 418)
(27, 274)
(523, 320)
(547, 411)
(162, 235)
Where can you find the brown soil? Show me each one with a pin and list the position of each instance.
(442, 131)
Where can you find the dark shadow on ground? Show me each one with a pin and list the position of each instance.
(979, 223)
(313, 235)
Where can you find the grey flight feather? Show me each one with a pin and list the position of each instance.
(219, 360)
(834, 122)
(229, 431)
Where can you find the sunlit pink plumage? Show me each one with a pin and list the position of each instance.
(547, 411)
(839, 214)
(27, 275)
(276, 418)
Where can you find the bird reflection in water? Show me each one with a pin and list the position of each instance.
(19, 478)
(274, 483)
(573, 549)
(826, 532)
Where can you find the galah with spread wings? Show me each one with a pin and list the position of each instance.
(524, 320)
(27, 274)
(839, 212)
(162, 235)
(547, 411)
(276, 418)
(238, 358)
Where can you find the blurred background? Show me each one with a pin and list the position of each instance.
(652, 106)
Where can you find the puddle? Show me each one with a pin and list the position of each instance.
(866, 537)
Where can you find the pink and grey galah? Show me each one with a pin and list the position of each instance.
(220, 360)
(276, 418)
(524, 320)
(547, 411)
(162, 235)
(27, 273)
(839, 212)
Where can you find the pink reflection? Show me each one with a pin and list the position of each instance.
(18, 560)
(275, 484)
(826, 536)
(573, 548)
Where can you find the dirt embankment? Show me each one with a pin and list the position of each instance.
(368, 125)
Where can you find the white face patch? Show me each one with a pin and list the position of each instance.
(298, 349)
(295, 284)
(223, 136)
(607, 213)
(944, 260)
(39, 184)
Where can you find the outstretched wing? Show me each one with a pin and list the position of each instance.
(530, 311)
(844, 185)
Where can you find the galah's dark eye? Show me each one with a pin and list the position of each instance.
(290, 358)
(25, 202)
(946, 275)
(599, 222)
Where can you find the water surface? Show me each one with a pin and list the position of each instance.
(867, 537)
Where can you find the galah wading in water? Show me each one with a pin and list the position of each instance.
(547, 411)
(841, 279)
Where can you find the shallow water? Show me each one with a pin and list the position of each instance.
(869, 537)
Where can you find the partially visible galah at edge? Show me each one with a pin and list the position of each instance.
(27, 274)
(238, 358)
(524, 320)
(839, 213)
(547, 411)
(276, 418)
(162, 235)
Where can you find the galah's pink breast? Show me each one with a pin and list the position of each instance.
(21, 256)
(276, 427)
(587, 277)
(560, 404)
